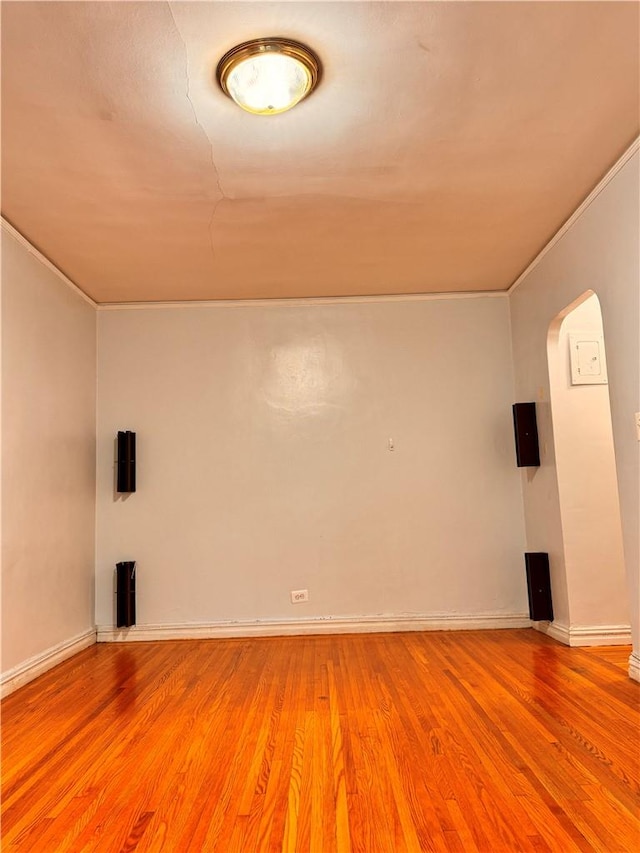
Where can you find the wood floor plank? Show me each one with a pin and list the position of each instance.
(569, 723)
(485, 741)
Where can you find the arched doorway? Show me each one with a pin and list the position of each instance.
(598, 611)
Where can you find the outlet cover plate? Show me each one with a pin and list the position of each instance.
(299, 595)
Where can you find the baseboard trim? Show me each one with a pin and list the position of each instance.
(328, 625)
(586, 635)
(634, 666)
(41, 663)
(555, 630)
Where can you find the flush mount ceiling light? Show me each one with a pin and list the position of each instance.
(268, 75)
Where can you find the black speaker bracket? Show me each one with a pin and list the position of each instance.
(126, 463)
(525, 428)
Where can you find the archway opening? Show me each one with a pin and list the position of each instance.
(598, 612)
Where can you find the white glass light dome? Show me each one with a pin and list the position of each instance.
(268, 76)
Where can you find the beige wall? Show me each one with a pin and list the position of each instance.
(264, 467)
(600, 253)
(48, 458)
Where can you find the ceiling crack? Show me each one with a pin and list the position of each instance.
(216, 173)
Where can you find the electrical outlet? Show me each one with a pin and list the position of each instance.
(299, 595)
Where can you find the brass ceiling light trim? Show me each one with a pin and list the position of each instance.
(267, 76)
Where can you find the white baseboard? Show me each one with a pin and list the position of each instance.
(328, 625)
(634, 666)
(555, 630)
(40, 663)
(586, 635)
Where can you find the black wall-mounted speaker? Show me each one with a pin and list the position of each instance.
(539, 586)
(126, 594)
(525, 428)
(126, 477)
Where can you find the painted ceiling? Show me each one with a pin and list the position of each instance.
(445, 145)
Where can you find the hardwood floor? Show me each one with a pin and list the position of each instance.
(466, 741)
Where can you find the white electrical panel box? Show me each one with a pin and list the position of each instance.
(588, 361)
